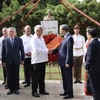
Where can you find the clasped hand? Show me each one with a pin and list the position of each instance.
(50, 51)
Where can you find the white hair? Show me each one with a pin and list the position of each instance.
(37, 27)
(64, 27)
(12, 29)
(4, 28)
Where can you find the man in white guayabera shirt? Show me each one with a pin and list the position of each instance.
(27, 48)
(39, 56)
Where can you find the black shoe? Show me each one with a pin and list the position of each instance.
(63, 94)
(17, 92)
(35, 94)
(75, 81)
(19, 87)
(80, 82)
(68, 96)
(44, 92)
(26, 85)
(9, 92)
(23, 82)
(3, 83)
(6, 86)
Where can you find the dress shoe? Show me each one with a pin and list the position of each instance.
(9, 92)
(75, 81)
(80, 82)
(35, 94)
(26, 85)
(17, 92)
(44, 92)
(3, 83)
(68, 96)
(6, 86)
(23, 82)
(19, 87)
(63, 94)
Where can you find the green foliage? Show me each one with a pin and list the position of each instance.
(52, 2)
(88, 1)
(72, 1)
(63, 15)
(60, 14)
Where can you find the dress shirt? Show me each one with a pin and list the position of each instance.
(26, 43)
(1, 39)
(39, 50)
(79, 42)
(66, 35)
(85, 48)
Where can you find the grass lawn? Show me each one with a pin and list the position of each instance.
(52, 73)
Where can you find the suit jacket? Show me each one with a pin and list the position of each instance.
(93, 56)
(15, 53)
(65, 52)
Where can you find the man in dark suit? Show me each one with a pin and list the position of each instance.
(65, 59)
(12, 55)
(5, 35)
(93, 63)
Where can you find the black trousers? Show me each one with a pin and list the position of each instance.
(4, 73)
(94, 79)
(67, 80)
(27, 70)
(38, 77)
(13, 76)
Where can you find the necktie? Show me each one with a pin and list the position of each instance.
(12, 42)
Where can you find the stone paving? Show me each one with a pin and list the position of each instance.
(53, 87)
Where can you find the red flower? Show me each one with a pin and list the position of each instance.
(48, 38)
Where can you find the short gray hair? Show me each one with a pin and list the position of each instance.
(65, 27)
(4, 28)
(11, 28)
(37, 27)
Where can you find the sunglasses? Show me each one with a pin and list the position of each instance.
(76, 28)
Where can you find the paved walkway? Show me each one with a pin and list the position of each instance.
(53, 87)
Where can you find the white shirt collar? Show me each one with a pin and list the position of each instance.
(66, 35)
(93, 39)
(37, 36)
(12, 38)
(29, 35)
(77, 34)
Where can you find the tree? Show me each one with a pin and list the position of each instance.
(1, 1)
(72, 1)
(88, 1)
(61, 14)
